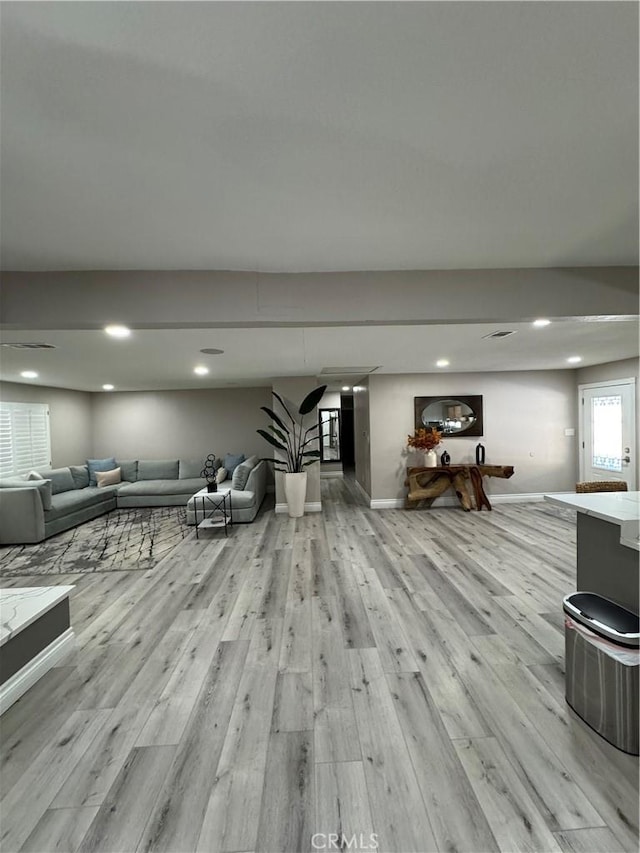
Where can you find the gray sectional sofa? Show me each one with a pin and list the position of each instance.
(35, 509)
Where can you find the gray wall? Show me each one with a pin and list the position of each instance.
(629, 367)
(525, 415)
(187, 424)
(361, 428)
(70, 418)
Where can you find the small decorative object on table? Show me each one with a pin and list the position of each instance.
(480, 454)
(209, 473)
(427, 440)
(445, 459)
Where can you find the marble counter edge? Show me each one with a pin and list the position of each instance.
(56, 595)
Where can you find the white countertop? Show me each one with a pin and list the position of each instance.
(21, 606)
(621, 508)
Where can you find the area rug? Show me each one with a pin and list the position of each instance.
(123, 540)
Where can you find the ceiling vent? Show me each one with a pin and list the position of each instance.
(27, 346)
(499, 334)
(345, 371)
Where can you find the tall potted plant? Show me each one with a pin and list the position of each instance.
(293, 441)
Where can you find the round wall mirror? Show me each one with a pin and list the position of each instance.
(450, 415)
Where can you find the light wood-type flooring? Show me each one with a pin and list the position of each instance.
(349, 678)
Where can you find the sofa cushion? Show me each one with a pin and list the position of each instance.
(240, 476)
(61, 479)
(43, 486)
(108, 478)
(80, 474)
(231, 462)
(99, 465)
(190, 469)
(67, 503)
(143, 488)
(221, 475)
(128, 469)
(158, 469)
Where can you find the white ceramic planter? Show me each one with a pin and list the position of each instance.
(430, 459)
(295, 490)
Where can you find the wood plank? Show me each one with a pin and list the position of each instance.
(121, 819)
(342, 805)
(288, 803)
(508, 807)
(391, 640)
(595, 840)
(27, 801)
(353, 615)
(293, 702)
(170, 825)
(456, 817)
(561, 801)
(396, 801)
(460, 714)
(60, 830)
(335, 730)
(231, 818)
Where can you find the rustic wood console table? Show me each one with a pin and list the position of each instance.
(426, 484)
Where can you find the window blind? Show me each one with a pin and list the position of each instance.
(25, 442)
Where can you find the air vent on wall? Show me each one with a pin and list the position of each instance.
(499, 334)
(27, 346)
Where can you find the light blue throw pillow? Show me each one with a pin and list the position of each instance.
(231, 462)
(240, 476)
(99, 465)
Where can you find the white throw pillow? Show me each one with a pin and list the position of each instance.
(33, 475)
(221, 475)
(108, 478)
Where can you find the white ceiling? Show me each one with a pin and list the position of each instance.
(313, 137)
(164, 358)
(319, 136)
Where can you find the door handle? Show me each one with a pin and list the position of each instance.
(626, 459)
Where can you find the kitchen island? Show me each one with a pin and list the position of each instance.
(608, 543)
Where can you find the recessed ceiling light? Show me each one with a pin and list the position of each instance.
(541, 322)
(201, 370)
(117, 331)
(442, 362)
(29, 374)
(574, 359)
(346, 387)
(107, 387)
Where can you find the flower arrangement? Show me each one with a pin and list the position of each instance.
(425, 439)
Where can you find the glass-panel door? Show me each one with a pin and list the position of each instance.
(608, 433)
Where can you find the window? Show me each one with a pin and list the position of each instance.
(25, 442)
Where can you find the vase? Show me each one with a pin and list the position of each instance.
(430, 459)
(295, 490)
(212, 486)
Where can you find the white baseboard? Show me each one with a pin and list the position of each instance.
(310, 506)
(398, 503)
(363, 493)
(33, 671)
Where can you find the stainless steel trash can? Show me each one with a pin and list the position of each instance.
(602, 658)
